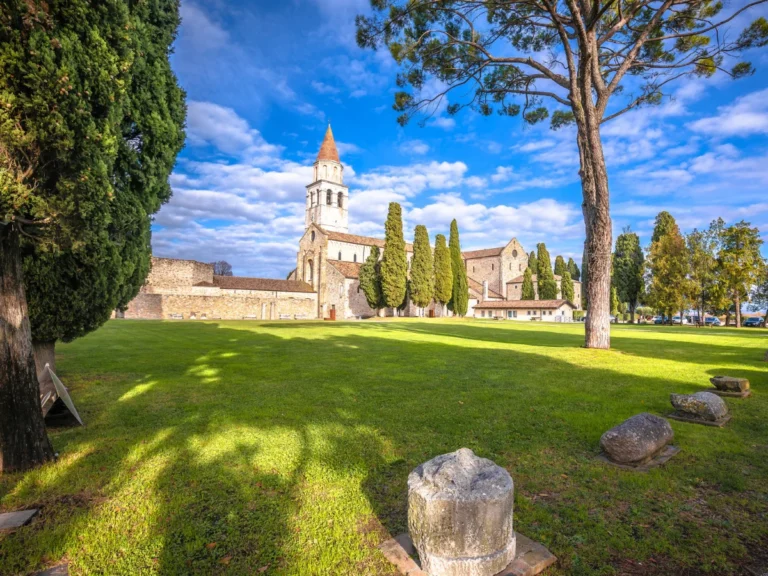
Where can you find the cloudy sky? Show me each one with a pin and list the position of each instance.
(265, 78)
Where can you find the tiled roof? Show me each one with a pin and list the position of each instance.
(364, 240)
(268, 284)
(328, 147)
(533, 277)
(478, 287)
(484, 253)
(525, 304)
(348, 269)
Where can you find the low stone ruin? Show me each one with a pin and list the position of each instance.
(730, 386)
(460, 515)
(700, 408)
(640, 442)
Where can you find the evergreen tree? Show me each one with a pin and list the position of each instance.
(370, 280)
(443, 273)
(460, 294)
(705, 287)
(533, 263)
(422, 286)
(614, 301)
(566, 287)
(394, 263)
(528, 293)
(573, 269)
(741, 262)
(664, 224)
(544, 277)
(91, 124)
(667, 268)
(628, 268)
(560, 267)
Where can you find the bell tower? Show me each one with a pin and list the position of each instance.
(327, 197)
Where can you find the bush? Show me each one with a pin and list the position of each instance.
(578, 314)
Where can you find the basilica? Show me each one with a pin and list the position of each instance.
(325, 283)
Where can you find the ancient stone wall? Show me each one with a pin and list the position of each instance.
(488, 268)
(169, 272)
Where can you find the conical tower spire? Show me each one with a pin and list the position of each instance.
(328, 148)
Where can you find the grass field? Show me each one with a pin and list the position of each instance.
(284, 448)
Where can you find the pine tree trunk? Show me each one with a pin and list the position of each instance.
(737, 303)
(24, 443)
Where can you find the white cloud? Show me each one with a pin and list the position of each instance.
(443, 122)
(322, 88)
(503, 173)
(746, 116)
(346, 148)
(416, 147)
(536, 145)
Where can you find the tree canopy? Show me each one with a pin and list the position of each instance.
(460, 294)
(533, 263)
(560, 267)
(668, 267)
(741, 261)
(573, 269)
(394, 263)
(370, 280)
(528, 292)
(566, 286)
(422, 287)
(544, 276)
(443, 271)
(628, 269)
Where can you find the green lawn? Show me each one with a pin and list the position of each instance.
(284, 448)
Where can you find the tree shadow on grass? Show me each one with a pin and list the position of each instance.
(287, 449)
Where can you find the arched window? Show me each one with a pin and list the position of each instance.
(335, 173)
(354, 258)
(325, 172)
(312, 236)
(341, 200)
(328, 197)
(339, 254)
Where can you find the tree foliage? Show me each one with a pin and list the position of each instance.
(614, 301)
(668, 267)
(628, 269)
(533, 263)
(573, 269)
(370, 280)
(222, 268)
(394, 263)
(422, 269)
(741, 262)
(566, 287)
(443, 271)
(545, 279)
(460, 294)
(560, 267)
(705, 289)
(528, 292)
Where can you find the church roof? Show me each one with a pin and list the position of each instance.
(347, 269)
(525, 304)
(485, 253)
(268, 284)
(363, 240)
(328, 148)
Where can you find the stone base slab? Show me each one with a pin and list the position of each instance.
(691, 420)
(745, 394)
(60, 570)
(530, 557)
(13, 520)
(659, 459)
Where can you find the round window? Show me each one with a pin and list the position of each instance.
(514, 253)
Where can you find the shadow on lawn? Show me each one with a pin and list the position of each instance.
(152, 445)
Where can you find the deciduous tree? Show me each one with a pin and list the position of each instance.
(443, 273)
(741, 263)
(422, 269)
(460, 294)
(394, 263)
(222, 268)
(370, 280)
(544, 277)
(528, 292)
(628, 269)
(705, 289)
(487, 55)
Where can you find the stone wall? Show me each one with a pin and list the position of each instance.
(488, 268)
(169, 273)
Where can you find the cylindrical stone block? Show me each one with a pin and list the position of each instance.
(460, 515)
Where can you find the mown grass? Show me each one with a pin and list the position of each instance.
(284, 448)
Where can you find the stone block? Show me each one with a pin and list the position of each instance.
(460, 515)
(637, 440)
(701, 405)
(730, 384)
(13, 520)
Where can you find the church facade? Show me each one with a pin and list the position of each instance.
(325, 282)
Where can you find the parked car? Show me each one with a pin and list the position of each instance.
(754, 322)
(660, 320)
(681, 321)
(712, 321)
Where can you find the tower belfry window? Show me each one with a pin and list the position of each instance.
(341, 200)
(328, 197)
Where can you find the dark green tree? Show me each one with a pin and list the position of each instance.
(528, 293)
(533, 263)
(443, 272)
(611, 56)
(560, 267)
(566, 287)
(573, 269)
(628, 269)
(667, 268)
(741, 262)
(370, 280)
(70, 73)
(614, 301)
(544, 277)
(460, 294)
(664, 224)
(394, 263)
(422, 288)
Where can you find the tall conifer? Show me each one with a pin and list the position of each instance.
(370, 280)
(422, 269)
(443, 273)
(394, 263)
(544, 276)
(533, 263)
(528, 293)
(566, 287)
(560, 267)
(460, 295)
(573, 269)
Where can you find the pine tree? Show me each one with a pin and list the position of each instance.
(544, 277)
(573, 269)
(566, 287)
(422, 269)
(667, 267)
(394, 263)
(533, 263)
(664, 224)
(628, 265)
(528, 293)
(443, 273)
(741, 262)
(560, 267)
(370, 280)
(460, 294)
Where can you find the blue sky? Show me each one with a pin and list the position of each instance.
(264, 78)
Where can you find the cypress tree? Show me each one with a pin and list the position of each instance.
(528, 293)
(566, 286)
(573, 269)
(544, 276)
(533, 263)
(628, 267)
(443, 273)
(394, 264)
(370, 280)
(460, 295)
(560, 267)
(422, 269)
